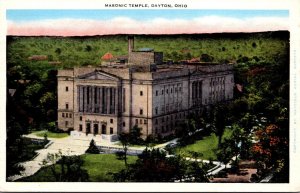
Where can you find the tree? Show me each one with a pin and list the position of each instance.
(271, 151)
(93, 149)
(153, 166)
(124, 138)
(135, 135)
(206, 58)
(219, 121)
(70, 167)
(225, 153)
(88, 48)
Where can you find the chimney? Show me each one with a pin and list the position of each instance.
(130, 43)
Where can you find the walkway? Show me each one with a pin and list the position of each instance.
(67, 146)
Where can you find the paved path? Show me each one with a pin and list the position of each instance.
(72, 146)
(67, 146)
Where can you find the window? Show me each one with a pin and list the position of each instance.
(162, 119)
(141, 93)
(80, 118)
(156, 122)
(63, 114)
(163, 129)
(141, 111)
(70, 115)
(66, 123)
(80, 127)
(162, 91)
(67, 106)
(171, 90)
(136, 121)
(111, 121)
(156, 93)
(145, 121)
(124, 124)
(156, 110)
(111, 130)
(67, 115)
(141, 121)
(167, 91)
(67, 89)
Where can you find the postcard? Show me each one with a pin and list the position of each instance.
(169, 95)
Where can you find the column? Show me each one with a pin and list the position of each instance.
(84, 99)
(113, 101)
(78, 98)
(117, 100)
(104, 101)
(100, 99)
(92, 99)
(108, 99)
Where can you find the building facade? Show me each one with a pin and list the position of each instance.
(111, 99)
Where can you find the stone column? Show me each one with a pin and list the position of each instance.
(117, 100)
(78, 98)
(92, 99)
(84, 99)
(113, 101)
(104, 100)
(108, 99)
(100, 99)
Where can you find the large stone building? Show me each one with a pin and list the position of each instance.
(109, 99)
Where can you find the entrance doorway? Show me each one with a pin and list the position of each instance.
(96, 129)
(88, 128)
(103, 129)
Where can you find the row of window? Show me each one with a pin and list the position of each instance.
(169, 108)
(67, 115)
(217, 81)
(137, 121)
(176, 89)
(103, 130)
(163, 119)
(164, 129)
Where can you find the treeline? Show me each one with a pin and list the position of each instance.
(80, 51)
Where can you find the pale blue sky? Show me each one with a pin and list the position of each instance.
(140, 14)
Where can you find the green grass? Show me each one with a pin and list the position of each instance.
(51, 134)
(97, 165)
(207, 146)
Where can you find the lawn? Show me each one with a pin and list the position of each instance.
(51, 134)
(97, 165)
(207, 146)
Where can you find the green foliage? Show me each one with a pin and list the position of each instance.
(98, 167)
(70, 168)
(206, 146)
(153, 166)
(135, 136)
(51, 134)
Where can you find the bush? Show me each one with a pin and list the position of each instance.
(92, 148)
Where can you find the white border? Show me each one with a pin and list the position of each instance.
(292, 5)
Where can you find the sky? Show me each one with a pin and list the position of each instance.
(148, 21)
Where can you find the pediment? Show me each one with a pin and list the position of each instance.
(98, 75)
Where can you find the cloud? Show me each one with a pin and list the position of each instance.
(124, 25)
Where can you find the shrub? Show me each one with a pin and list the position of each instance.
(92, 148)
